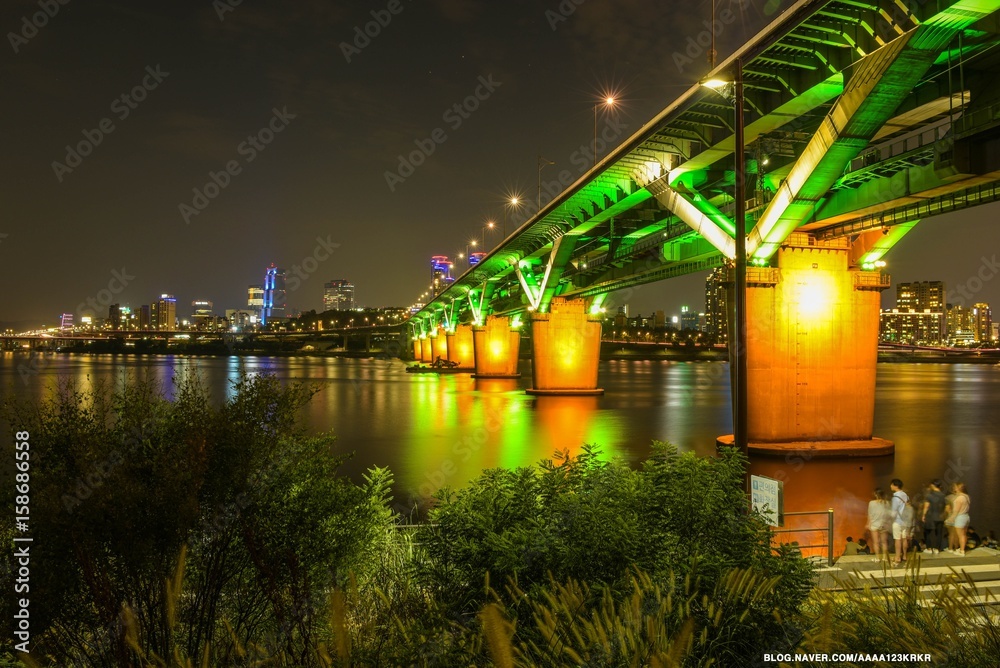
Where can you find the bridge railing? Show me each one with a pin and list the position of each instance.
(975, 120)
(872, 280)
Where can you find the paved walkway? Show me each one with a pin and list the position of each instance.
(979, 568)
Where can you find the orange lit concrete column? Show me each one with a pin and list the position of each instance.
(497, 347)
(461, 347)
(812, 346)
(439, 345)
(416, 349)
(425, 349)
(566, 348)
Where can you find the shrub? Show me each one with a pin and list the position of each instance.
(125, 481)
(592, 521)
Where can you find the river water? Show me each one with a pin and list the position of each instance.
(435, 430)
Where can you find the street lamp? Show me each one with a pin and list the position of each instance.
(514, 202)
(488, 226)
(608, 102)
(740, 296)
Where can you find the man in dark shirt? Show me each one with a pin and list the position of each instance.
(933, 518)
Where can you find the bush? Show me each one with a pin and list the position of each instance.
(124, 482)
(592, 521)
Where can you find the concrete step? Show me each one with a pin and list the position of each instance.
(979, 569)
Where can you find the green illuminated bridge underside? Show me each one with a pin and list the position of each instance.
(862, 117)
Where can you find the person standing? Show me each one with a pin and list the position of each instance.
(932, 514)
(960, 516)
(900, 527)
(879, 520)
(949, 522)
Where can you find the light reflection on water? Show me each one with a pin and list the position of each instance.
(443, 430)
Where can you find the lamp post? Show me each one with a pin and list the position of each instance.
(514, 202)
(542, 164)
(608, 102)
(488, 226)
(740, 436)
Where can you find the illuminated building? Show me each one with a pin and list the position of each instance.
(914, 327)
(476, 258)
(255, 300)
(716, 323)
(239, 319)
(338, 295)
(441, 276)
(919, 316)
(961, 324)
(274, 294)
(921, 296)
(202, 316)
(982, 322)
(163, 312)
(66, 321)
(689, 319)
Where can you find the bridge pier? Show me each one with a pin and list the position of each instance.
(439, 344)
(812, 347)
(566, 349)
(416, 349)
(497, 347)
(461, 347)
(425, 349)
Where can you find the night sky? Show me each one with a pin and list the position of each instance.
(211, 75)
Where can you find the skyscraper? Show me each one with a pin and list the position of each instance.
(961, 324)
(338, 295)
(982, 322)
(920, 315)
(716, 321)
(274, 294)
(115, 316)
(921, 296)
(163, 312)
(441, 276)
(255, 301)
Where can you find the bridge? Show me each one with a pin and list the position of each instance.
(860, 119)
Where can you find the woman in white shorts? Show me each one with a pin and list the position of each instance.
(879, 519)
(959, 517)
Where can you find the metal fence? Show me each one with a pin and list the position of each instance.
(828, 545)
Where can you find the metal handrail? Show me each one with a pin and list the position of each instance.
(829, 531)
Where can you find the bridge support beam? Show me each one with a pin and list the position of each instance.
(461, 347)
(566, 348)
(497, 347)
(416, 349)
(812, 346)
(425, 349)
(439, 345)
